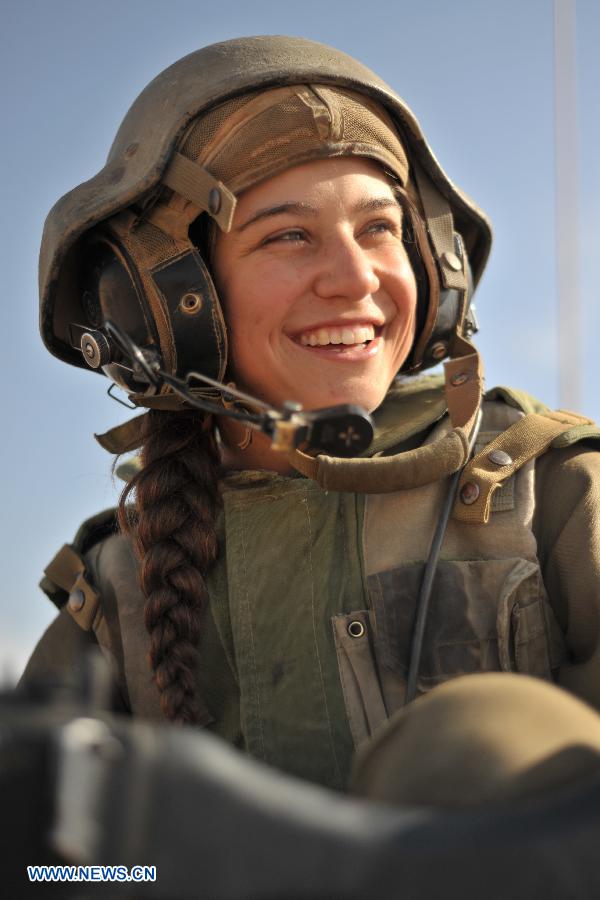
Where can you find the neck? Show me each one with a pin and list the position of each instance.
(259, 454)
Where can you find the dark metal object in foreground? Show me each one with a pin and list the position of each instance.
(97, 789)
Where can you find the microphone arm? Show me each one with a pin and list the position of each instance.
(345, 430)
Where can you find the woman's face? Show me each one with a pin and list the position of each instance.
(319, 296)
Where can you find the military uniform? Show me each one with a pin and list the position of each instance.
(305, 642)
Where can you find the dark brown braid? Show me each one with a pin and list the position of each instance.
(173, 529)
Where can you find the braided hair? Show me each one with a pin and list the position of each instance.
(172, 523)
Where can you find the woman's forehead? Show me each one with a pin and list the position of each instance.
(316, 184)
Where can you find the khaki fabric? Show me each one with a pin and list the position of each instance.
(486, 739)
(567, 526)
(294, 573)
(411, 468)
(524, 440)
(489, 610)
(255, 136)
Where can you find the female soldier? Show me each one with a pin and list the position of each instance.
(294, 601)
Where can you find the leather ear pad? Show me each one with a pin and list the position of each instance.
(195, 315)
(112, 289)
(110, 292)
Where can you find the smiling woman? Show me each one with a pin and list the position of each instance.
(317, 289)
(271, 215)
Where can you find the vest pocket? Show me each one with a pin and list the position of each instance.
(529, 639)
(485, 615)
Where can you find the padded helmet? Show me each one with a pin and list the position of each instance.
(108, 253)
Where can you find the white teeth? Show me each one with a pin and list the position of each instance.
(348, 336)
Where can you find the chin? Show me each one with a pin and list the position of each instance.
(367, 400)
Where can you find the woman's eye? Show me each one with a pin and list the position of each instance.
(382, 226)
(293, 235)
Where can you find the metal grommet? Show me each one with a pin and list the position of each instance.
(452, 261)
(459, 379)
(356, 629)
(439, 350)
(95, 349)
(131, 150)
(469, 493)
(76, 600)
(214, 201)
(500, 458)
(190, 303)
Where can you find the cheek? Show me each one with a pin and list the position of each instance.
(257, 299)
(407, 284)
(252, 318)
(401, 289)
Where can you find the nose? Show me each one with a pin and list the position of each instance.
(345, 270)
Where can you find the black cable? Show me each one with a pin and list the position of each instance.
(416, 644)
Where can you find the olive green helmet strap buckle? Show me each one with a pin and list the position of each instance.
(440, 225)
(196, 184)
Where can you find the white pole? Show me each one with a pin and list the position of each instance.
(567, 205)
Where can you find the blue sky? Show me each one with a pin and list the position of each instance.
(478, 74)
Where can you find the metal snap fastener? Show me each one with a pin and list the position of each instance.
(76, 600)
(439, 350)
(356, 629)
(214, 201)
(95, 349)
(459, 379)
(452, 261)
(469, 493)
(500, 458)
(190, 303)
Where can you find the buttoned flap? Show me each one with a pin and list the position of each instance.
(484, 615)
(503, 499)
(358, 674)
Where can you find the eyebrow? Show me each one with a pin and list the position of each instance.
(301, 208)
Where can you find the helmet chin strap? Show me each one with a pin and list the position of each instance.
(423, 465)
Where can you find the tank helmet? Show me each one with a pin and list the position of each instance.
(131, 244)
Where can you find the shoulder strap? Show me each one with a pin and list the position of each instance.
(526, 439)
(66, 579)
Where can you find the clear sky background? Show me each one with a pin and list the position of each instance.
(478, 74)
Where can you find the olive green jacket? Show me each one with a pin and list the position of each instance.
(304, 644)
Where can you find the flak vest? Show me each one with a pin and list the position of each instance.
(312, 602)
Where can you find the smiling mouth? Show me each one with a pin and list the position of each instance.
(339, 337)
